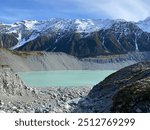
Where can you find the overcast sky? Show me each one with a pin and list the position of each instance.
(17, 10)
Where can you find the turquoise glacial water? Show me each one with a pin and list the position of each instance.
(64, 78)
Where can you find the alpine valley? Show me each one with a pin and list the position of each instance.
(75, 44)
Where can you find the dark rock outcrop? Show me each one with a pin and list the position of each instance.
(127, 90)
(10, 39)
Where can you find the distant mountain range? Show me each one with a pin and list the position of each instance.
(78, 37)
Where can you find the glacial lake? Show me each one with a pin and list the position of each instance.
(64, 78)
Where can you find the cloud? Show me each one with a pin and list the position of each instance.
(131, 10)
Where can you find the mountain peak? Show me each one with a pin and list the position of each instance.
(145, 24)
(147, 19)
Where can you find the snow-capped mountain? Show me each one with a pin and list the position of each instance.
(28, 30)
(78, 37)
(144, 25)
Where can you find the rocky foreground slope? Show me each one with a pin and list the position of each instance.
(13, 89)
(11, 85)
(127, 90)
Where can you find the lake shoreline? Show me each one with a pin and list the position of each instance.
(17, 97)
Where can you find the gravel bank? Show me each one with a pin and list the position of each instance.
(44, 61)
(48, 100)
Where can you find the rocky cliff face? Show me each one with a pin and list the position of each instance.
(80, 37)
(127, 90)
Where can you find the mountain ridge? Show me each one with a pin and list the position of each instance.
(78, 37)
